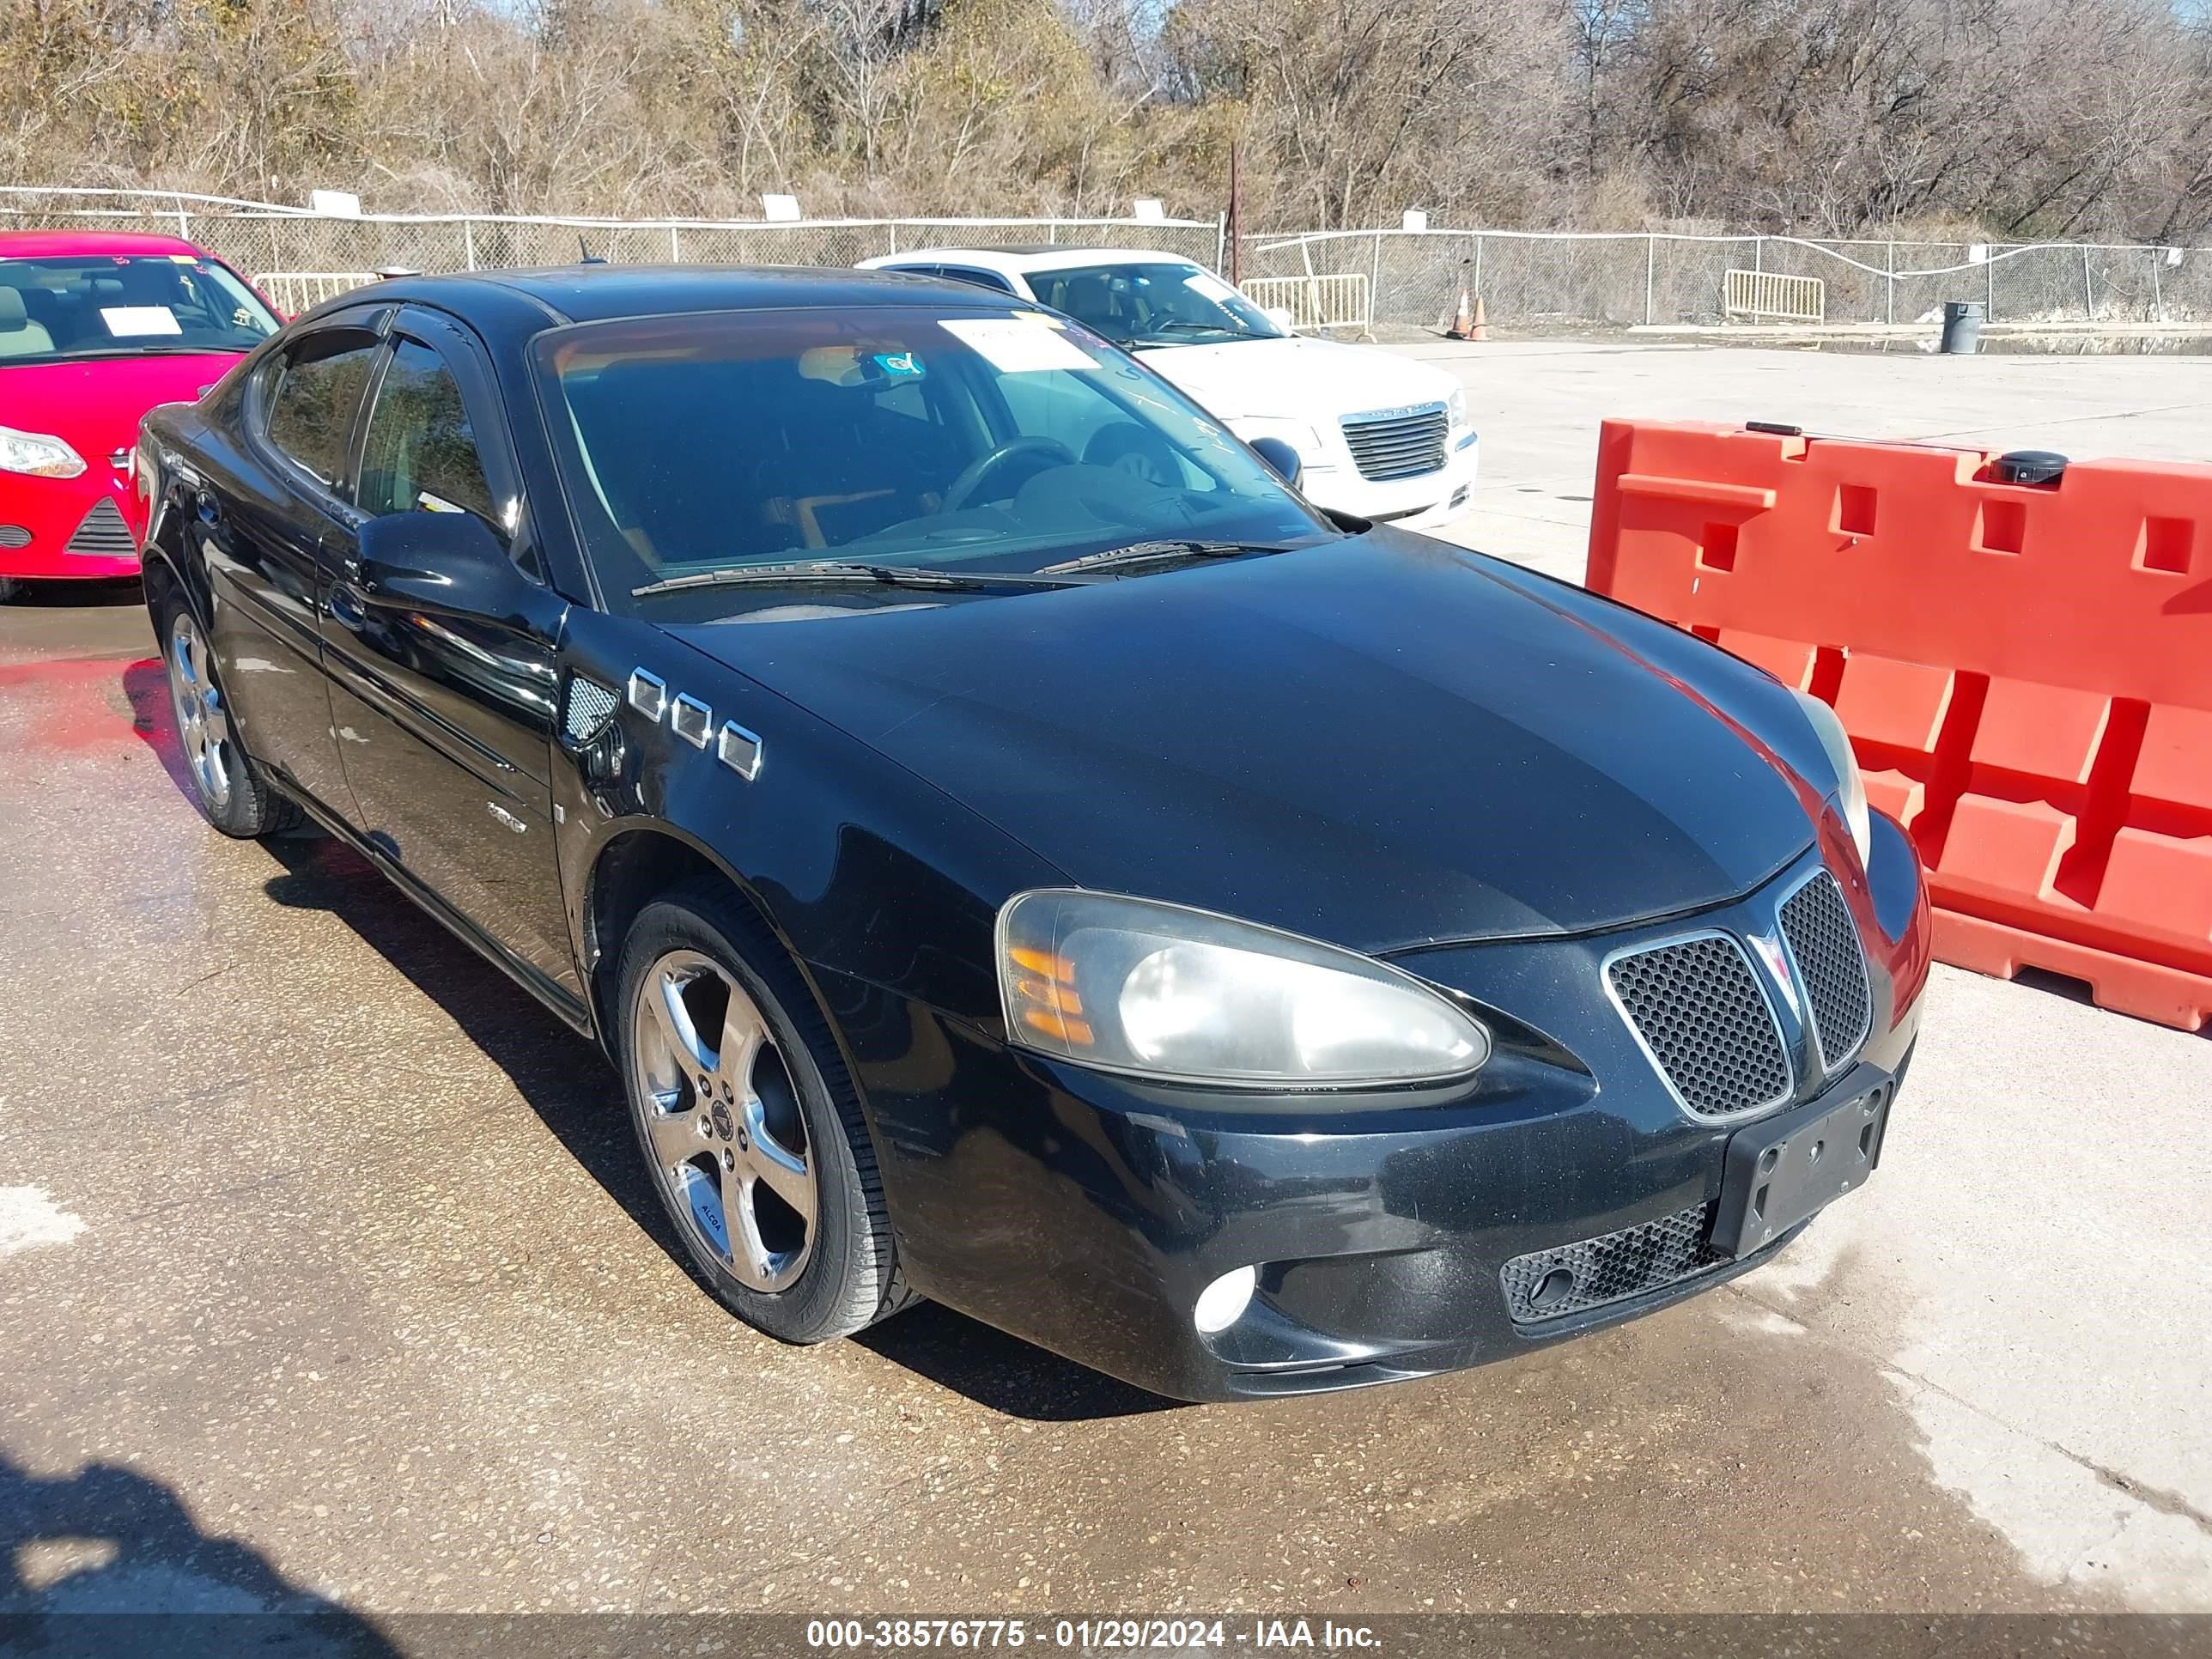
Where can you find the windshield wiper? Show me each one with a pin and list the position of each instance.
(1185, 325)
(99, 354)
(1153, 552)
(887, 575)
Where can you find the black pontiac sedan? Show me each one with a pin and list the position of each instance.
(1016, 852)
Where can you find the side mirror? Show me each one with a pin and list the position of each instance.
(1282, 461)
(448, 564)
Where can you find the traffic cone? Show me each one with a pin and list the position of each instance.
(1462, 322)
(1481, 330)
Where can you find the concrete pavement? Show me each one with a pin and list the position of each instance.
(1537, 405)
(327, 1266)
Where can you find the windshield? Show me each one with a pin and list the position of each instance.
(918, 438)
(62, 307)
(1163, 303)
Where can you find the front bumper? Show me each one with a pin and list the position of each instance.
(1087, 1214)
(1332, 479)
(82, 529)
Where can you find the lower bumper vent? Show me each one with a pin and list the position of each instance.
(1611, 1267)
(103, 534)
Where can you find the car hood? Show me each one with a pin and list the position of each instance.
(1383, 741)
(95, 406)
(1323, 378)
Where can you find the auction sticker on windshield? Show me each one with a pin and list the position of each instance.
(1014, 347)
(131, 322)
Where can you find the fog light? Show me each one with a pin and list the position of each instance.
(1222, 1304)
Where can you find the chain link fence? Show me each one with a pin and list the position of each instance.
(1525, 278)
(1565, 278)
(265, 240)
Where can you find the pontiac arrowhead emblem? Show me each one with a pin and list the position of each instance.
(1769, 946)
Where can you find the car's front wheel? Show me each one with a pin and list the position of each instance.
(748, 1124)
(224, 784)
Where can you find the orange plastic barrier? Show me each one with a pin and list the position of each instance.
(2025, 671)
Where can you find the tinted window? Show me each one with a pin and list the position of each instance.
(989, 279)
(1153, 304)
(76, 306)
(909, 435)
(420, 455)
(317, 394)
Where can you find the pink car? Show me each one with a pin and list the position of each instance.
(96, 328)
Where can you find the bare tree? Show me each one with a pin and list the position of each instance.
(2006, 119)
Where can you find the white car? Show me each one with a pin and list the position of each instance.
(1376, 435)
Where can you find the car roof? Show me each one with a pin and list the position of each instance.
(47, 244)
(603, 293)
(1038, 257)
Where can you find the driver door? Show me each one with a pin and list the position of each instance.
(446, 722)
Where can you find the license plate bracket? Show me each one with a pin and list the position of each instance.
(1780, 1171)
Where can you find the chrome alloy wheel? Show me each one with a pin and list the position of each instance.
(722, 1120)
(202, 723)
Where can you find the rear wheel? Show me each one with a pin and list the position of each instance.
(748, 1124)
(224, 784)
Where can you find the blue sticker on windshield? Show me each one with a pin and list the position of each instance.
(900, 365)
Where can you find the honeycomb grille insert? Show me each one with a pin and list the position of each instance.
(1706, 1021)
(1611, 1267)
(591, 705)
(1818, 925)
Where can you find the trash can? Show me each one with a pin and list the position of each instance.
(1962, 325)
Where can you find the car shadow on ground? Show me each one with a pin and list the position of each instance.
(568, 1083)
(145, 684)
(108, 1560)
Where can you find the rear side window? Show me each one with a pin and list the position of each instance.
(317, 394)
(989, 279)
(420, 456)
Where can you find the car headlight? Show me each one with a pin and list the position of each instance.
(36, 453)
(1133, 985)
(1851, 795)
(1456, 409)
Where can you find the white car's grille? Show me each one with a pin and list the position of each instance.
(1397, 443)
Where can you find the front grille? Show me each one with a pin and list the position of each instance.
(1706, 1022)
(103, 534)
(1396, 443)
(1818, 925)
(1611, 1267)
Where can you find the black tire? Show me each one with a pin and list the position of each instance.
(242, 804)
(849, 1278)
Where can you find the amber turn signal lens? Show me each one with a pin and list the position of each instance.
(1041, 994)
